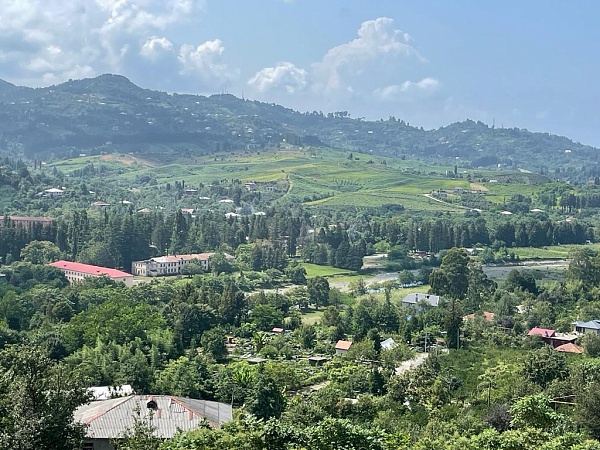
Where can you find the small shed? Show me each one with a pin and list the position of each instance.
(342, 347)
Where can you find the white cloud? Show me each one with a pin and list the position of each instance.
(374, 70)
(284, 75)
(397, 91)
(204, 63)
(155, 47)
(378, 46)
(42, 42)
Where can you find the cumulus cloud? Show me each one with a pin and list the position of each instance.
(284, 75)
(205, 63)
(155, 47)
(40, 44)
(378, 46)
(381, 66)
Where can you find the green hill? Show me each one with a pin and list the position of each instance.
(110, 114)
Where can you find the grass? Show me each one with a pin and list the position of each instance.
(312, 317)
(317, 177)
(551, 252)
(314, 270)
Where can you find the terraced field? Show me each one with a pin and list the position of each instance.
(316, 177)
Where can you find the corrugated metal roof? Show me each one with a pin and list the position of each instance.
(109, 419)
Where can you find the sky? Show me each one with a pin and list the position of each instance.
(528, 64)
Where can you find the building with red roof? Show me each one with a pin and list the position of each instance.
(342, 347)
(569, 348)
(543, 332)
(75, 272)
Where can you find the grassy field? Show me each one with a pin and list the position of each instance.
(316, 177)
(553, 252)
(314, 270)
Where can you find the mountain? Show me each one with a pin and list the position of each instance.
(110, 113)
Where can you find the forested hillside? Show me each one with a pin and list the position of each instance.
(109, 113)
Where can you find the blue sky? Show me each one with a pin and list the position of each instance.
(531, 64)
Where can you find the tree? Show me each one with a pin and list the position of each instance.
(452, 278)
(318, 291)
(591, 344)
(295, 273)
(534, 411)
(267, 398)
(543, 365)
(588, 409)
(38, 401)
(308, 336)
(40, 252)
(213, 343)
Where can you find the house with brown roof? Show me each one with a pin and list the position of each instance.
(109, 420)
(342, 347)
(569, 347)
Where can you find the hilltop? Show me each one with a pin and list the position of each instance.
(109, 113)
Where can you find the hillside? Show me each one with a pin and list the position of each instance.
(109, 113)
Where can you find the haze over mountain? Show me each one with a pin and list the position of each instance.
(110, 113)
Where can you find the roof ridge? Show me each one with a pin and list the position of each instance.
(100, 414)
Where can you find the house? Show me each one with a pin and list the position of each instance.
(421, 299)
(551, 337)
(569, 348)
(107, 420)
(342, 347)
(592, 326)
(26, 222)
(388, 344)
(78, 272)
(277, 330)
(52, 192)
(543, 332)
(171, 265)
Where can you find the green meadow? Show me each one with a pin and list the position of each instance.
(316, 177)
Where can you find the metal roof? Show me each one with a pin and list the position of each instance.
(109, 419)
(430, 299)
(591, 325)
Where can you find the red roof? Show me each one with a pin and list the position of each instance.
(277, 330)
(343, 345)
(544, 332)
(569, 347)
(89, 269)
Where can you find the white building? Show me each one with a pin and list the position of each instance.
(76, 272)
(420, 298)
(171, 265)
